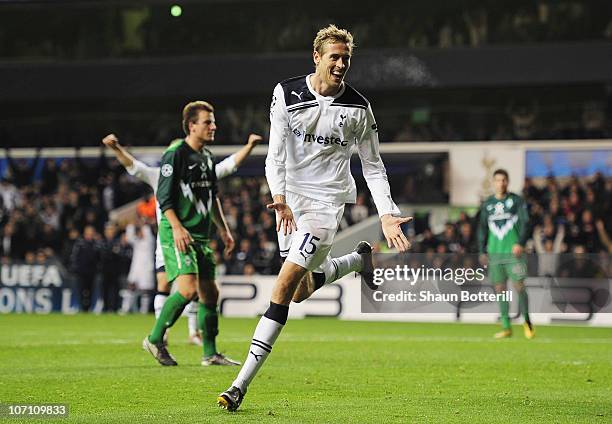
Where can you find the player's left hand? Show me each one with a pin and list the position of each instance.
(517, 250)
(393, 233)
(254, 140)
(229, 242)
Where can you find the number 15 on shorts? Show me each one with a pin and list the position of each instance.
(308, 246)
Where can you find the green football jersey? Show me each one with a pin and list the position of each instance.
(503, 223)
(188, 185)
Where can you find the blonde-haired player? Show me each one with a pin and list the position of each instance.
(317, 121)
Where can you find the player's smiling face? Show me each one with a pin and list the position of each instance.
(333, 64)
(204, 127)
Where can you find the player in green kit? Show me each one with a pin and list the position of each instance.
(187, 197)
(502, 235)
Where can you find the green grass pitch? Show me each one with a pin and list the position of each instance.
(321, 370)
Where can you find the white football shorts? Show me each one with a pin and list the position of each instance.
(317, 222)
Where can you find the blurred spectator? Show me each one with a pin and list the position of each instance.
(448, 239)
(22, 170)
(114, 254)
(13, 245)
(141, 281)
(242, 257)
(84, 264)
(9, 194)
(467, 241)
(49, 178)
(548, 250)
(266, 256)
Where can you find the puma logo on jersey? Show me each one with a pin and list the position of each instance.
(299, 96)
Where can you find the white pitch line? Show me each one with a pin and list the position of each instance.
(323, 339)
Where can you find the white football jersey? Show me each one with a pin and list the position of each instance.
(312, 138)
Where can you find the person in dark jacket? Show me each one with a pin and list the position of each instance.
(84, 263)
(113, 254)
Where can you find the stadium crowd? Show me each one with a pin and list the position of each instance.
(60, 211)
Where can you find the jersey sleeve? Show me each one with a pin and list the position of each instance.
(372, 165)
(145, 173)
(226, 167)
(277, 149)
(168, 186)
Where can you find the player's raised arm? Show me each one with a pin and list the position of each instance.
(275, 161)
(123, 156)
(230, 164)
(145, 173)
(376, 177)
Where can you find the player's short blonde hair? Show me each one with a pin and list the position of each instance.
(332, 34)
(192, 110)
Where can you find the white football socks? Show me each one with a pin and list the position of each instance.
(145, 302)
(264, 337)
(337, 268)
(192, 317)
(158, 303)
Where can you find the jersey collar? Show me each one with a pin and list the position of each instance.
(318, 96)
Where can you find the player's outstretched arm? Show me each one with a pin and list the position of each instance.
(284, 214)
(393, 232)
(145, 173)
(245, 151)
(111, 141)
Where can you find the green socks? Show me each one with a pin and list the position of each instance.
(524, 305)
(504, 308)
(208, 324)
(172, 310)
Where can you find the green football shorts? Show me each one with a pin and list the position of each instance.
(199, 259)
(501, 271)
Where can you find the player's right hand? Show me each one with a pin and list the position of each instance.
(284, 217)
(182, 238)
(111, 141)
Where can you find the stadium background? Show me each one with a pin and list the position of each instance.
(458, 89)
(509, 79)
